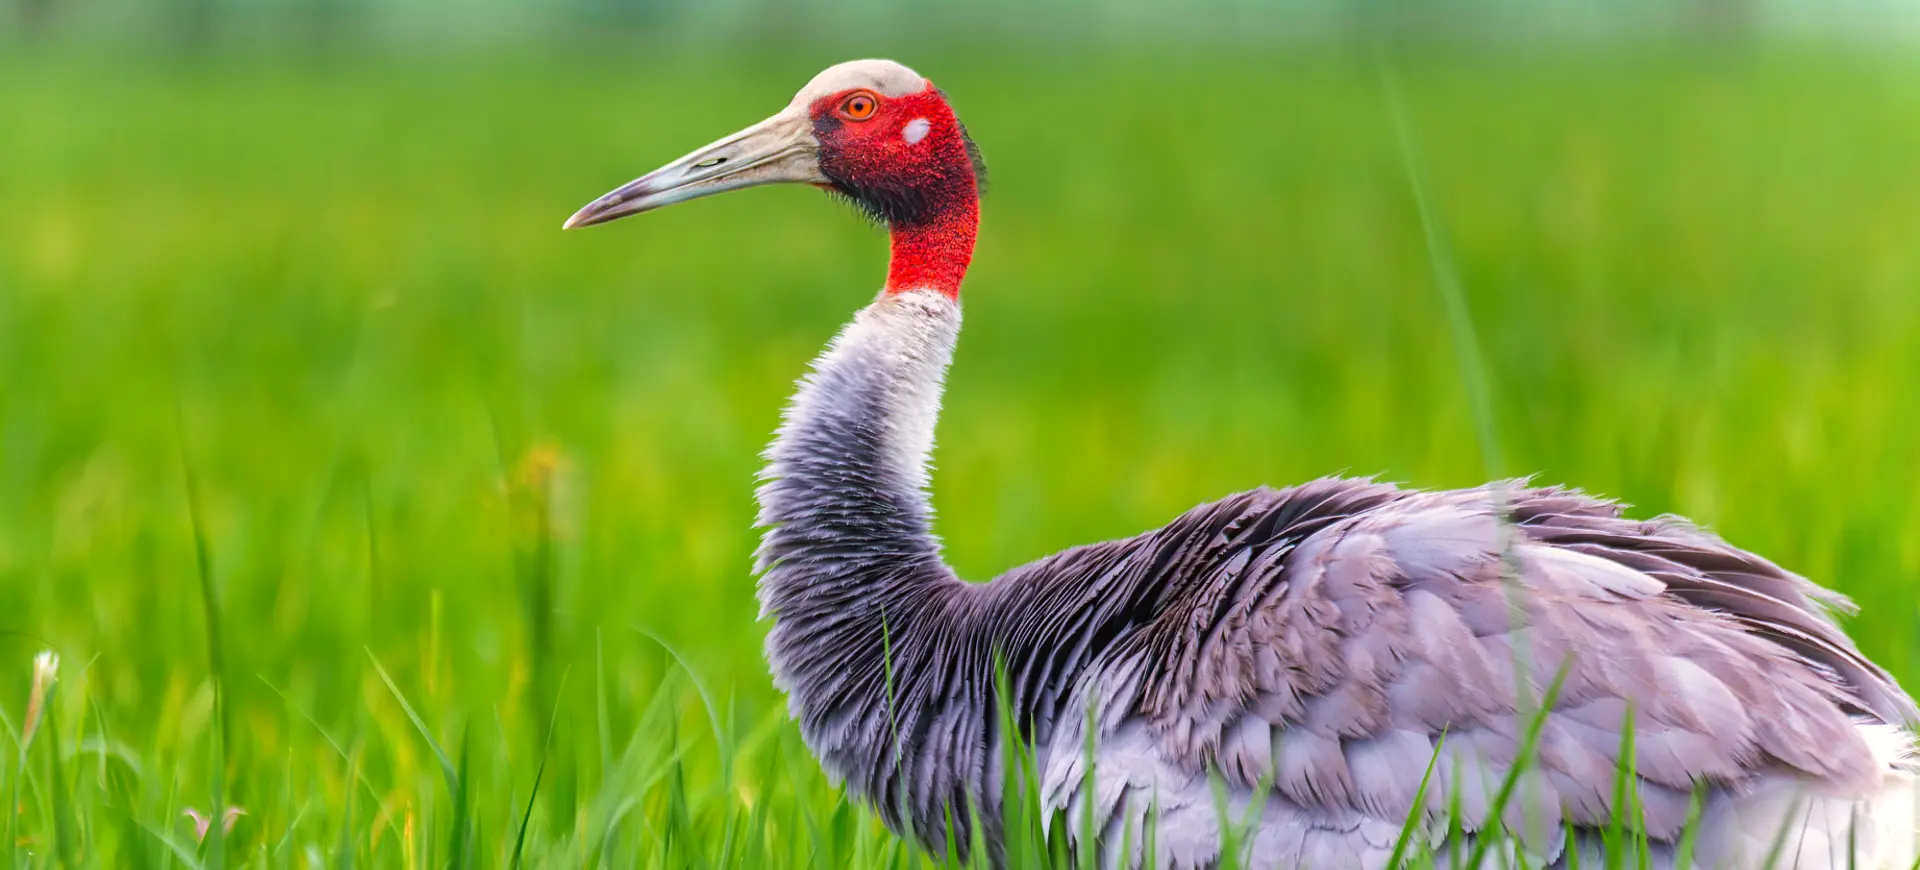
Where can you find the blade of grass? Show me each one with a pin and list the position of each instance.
(216, 667)
(175, 848)
(63, 824)
(1418, 810)
(526, 818)
(324, 735)
(706, 700)
(1778, 846)
(344, 851)
(1689, 835)
(1088, 758)
(459, 836)
(1445, 276)
(446, 763)
(1625, 796)
(281, 853)
(601, 718)
(1520, 761)
(22, 739)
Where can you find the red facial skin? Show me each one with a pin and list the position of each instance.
(926, 192)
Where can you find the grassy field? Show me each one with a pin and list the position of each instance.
(303, 339)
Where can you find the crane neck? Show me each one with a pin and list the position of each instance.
(844, 505)
(850, 570)
(932, 249)
(849, 463)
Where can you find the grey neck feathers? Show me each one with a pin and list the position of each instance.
(850, 570)
(845, 491)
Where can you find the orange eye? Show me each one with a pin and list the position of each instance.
(859, 107)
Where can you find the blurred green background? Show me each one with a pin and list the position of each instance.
(300, 380)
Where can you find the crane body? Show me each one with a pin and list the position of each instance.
(1299, 658)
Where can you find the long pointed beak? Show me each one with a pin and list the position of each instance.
(779, 149)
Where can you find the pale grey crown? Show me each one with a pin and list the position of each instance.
(884, 77)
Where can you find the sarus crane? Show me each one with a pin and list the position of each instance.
(1295, 660)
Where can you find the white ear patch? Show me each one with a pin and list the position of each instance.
(915, 130)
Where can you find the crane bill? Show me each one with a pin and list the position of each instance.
(779, 150)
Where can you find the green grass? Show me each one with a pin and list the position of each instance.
(471, 498)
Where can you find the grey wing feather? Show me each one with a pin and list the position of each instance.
(1316, 643)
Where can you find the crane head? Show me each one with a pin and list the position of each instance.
(872, 131)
